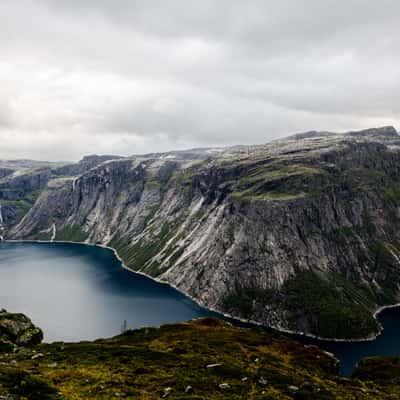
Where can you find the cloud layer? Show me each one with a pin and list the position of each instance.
(130, 76)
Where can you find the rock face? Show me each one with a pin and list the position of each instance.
(18, 191)
(21, 182)
(18, 329)
(300, 234)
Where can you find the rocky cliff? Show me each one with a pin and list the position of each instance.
(21, 182)
(300, 234)
(17, 330)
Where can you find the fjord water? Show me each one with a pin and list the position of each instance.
(386, 344)
(76, 292)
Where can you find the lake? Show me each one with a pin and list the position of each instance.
(349, 353)
(76, 292)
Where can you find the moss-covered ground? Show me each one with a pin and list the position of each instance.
(202, 359)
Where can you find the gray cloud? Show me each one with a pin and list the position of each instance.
(128, 76)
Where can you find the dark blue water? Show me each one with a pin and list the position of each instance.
(76, 292)
(349, 353)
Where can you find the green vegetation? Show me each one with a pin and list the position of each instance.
(273, 172)
(19, 384)
(45, 236)
(392, 195)
(274, 181)
(32, 196)
(72, 233)
(154, 181)
(137, 255)
(330, 305)
(334, 307)
(382, 256)
(385, 370)
(243, 301)
(203, 359)
(185, 178)
(290, 179)
(21, 206)
(250, 194)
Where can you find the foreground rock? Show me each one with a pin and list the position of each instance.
(18, 329)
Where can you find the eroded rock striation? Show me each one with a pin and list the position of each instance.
(300, 234)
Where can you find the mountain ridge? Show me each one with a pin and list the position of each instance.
(261, 233)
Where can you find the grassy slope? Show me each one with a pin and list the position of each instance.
(143, 364)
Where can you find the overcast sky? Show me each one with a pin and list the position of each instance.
(125, 76)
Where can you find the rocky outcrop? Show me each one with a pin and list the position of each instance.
(18, 192)
(21, 182)
(17, 186)
(300, 234)
(18, 329)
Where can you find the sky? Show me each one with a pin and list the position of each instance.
(125, 76)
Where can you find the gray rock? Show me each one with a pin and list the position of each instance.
(224, 386)
(188, 389)
(167, 392)
(213, 365)
(19, 329)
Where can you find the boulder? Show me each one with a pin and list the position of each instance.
(19, 329)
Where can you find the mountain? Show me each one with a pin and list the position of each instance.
(301, 234)
(21, 181)
(201, 359)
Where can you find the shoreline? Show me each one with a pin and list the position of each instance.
(226, 315)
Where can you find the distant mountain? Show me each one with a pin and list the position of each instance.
(22, 163)
(84, 165)
(191, 154)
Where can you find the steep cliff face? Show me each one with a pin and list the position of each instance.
(21, 182)
(299, 234)
(19, 189)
